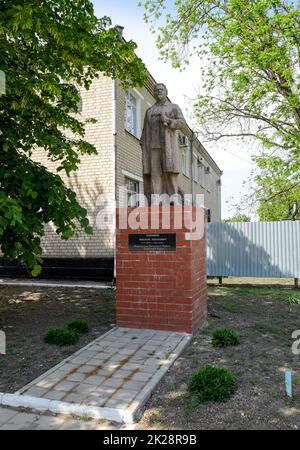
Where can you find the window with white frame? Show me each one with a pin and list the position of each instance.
(185, 161)
(207, 178)
(208, 215)
(195, 167)
(132, 192)
(183, 140)
(201, 174)
(132, 113)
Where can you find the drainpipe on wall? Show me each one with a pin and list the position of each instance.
(114, 163)
(120, 29)
(294, 215)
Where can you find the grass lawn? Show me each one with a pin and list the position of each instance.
(264, 318)
(27, 312)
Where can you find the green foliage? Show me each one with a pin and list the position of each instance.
(211, 383)
(224, 337)
(238, 218)
(61, 336)
(250, 58)
(277, 207)
(49, 51)
(79, 325)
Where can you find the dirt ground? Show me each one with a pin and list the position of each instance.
(264, 318)
(251, 281)
(25, 315)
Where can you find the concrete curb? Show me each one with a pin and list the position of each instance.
(25, 401)
(58, 407)
(74, 285)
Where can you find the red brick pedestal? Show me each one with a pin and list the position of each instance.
(163, 290)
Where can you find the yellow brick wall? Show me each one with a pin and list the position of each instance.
(212, 197)
(93, 178)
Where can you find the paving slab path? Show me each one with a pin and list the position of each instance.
(111, 378)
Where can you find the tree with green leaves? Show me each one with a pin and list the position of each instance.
(278, 205)
(238, 218)
(250, 53)
(47, 48)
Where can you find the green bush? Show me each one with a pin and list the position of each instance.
(81, 326)
(61, 336)
(292, 300)
(223, 337)
(211, 383)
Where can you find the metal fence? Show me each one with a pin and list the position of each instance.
(246, 249)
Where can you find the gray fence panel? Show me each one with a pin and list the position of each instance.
(246, 249)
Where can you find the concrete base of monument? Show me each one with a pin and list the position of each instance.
(160, 268)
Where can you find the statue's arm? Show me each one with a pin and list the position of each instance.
(177, 123)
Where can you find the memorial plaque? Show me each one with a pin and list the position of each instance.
(160, 242)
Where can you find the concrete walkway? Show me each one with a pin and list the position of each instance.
(12, 419)
(111, 378)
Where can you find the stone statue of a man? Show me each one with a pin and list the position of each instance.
(160, 147)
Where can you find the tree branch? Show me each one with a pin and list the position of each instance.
(280, 192)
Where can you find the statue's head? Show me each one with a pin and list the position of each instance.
(160, 92)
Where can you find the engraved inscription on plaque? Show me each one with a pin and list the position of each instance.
(152, 242)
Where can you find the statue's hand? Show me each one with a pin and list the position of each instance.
(165, 120)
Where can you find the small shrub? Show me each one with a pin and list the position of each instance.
(292, 300)
(211, 383)
(223, 337)
(61, 336)
(81, 326)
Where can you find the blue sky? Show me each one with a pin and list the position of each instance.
(232, 158)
